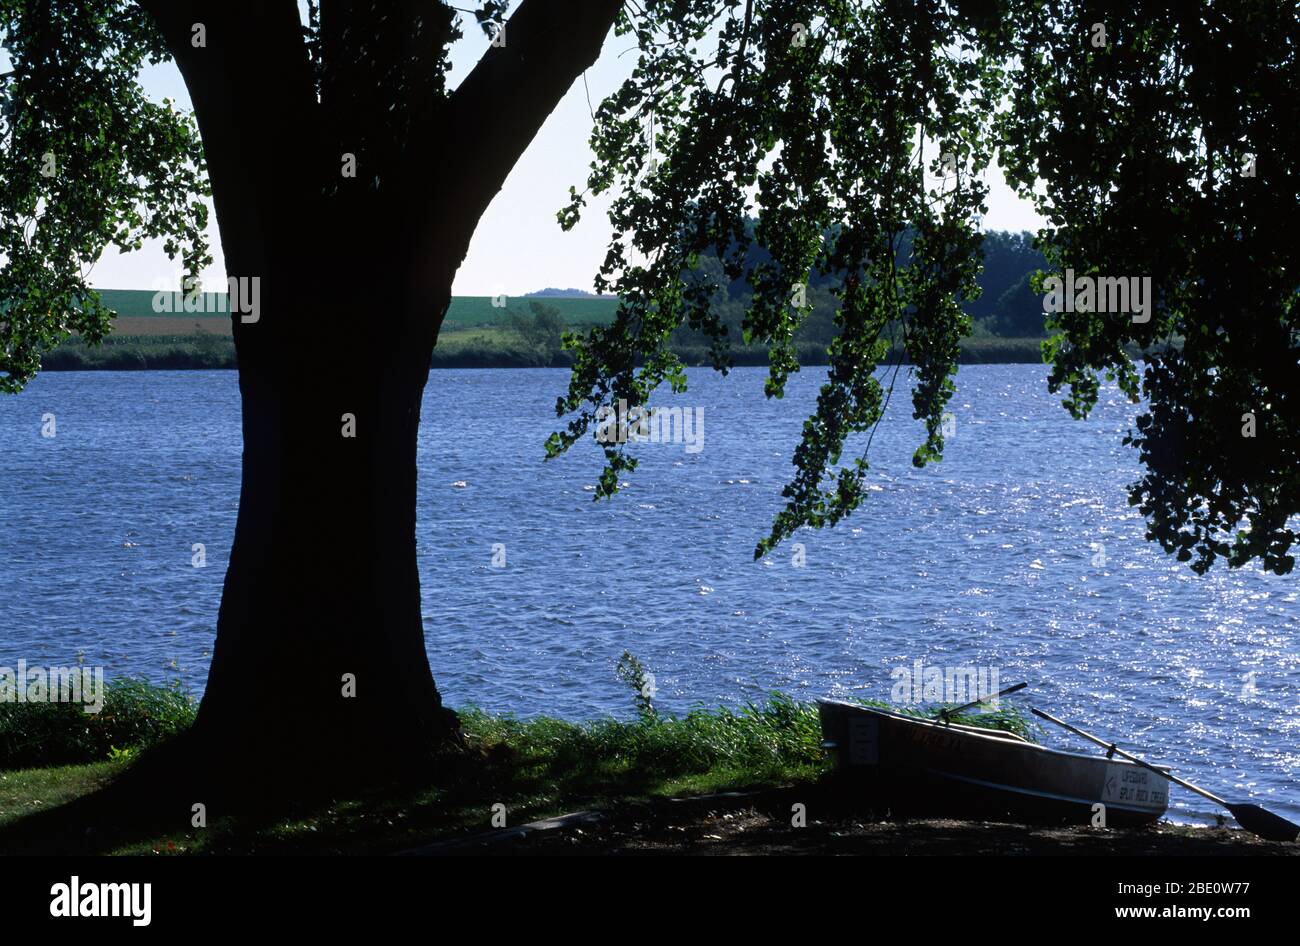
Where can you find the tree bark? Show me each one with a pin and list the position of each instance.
(320, 655)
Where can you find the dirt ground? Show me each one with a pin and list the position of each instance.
(754, 832)
(741, 825)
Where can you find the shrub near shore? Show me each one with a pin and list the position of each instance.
(136, 714)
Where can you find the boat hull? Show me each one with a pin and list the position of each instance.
(910, 765)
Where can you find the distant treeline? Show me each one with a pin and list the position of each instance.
(196, 352)
(1006, 307)
(143, 352)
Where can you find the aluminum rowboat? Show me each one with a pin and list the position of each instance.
(909, 764)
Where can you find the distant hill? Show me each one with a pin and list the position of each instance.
(551, 293)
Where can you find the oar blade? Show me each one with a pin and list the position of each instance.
(1264, 823)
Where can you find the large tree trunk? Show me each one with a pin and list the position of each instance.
(319, 664)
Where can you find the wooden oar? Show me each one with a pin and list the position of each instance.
(947, 713)
(1253, 818)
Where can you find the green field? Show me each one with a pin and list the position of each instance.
(476, 334)
(473, 311)
(465, 311)
(138, 303)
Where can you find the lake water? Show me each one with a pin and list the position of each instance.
(993, 558)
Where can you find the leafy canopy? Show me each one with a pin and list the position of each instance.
(846, 139)
(1131, 130)
(87, 161)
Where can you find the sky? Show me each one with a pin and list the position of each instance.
(518, 246)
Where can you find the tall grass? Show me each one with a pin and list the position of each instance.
(1006, 717)
(143, 352)
(779, 739)
(136, 714)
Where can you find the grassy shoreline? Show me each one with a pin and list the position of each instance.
(716, 780)
(455, 350)
(54, 754)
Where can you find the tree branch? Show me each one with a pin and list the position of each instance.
(251, 86)
(500, 106)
